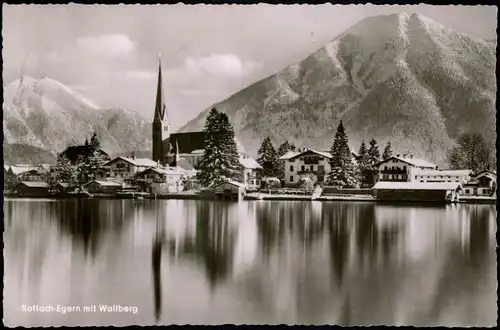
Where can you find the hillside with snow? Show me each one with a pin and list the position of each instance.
(399, 77)
(47, 115)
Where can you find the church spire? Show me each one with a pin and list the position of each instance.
(160, 108)
(161, 126)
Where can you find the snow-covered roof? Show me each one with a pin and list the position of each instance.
(105, 183)
(238, 184)
(442, 172)
(289, 155)
(486, 172)
(16, 170)
(295, 154)
(416, 185)
(412, 161)
(249, 162)
(144, 162)
(33, 184)
(166, 171)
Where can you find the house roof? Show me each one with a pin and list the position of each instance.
(248, 162)
(442, 172)
(160, 171)
(295, 154)
(144, 162)
(416, 185)
(63, 184)
(412, 161)
(16, 170)
(485, 172)
(105, 183)
(191, 142)
(234, 183)
(33, 184)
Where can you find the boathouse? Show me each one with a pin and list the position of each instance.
(32, 189)
(416, 191)
(102, 187)
(230, 190)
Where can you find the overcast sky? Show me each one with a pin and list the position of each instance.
(110, 53)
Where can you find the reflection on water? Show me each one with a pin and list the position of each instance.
(201, 262)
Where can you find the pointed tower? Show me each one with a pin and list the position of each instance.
(161, 126)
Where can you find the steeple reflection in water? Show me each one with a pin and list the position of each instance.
(156, 253)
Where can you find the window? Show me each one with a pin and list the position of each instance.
(421, 180)
(291, 178)
(302, 168)
(320, 178)
(385, 168)
(291, 168)
(466, 191)
(165, 128)
(312, 167)
(257, 182)
(321, 168)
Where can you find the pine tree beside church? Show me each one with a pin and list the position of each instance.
(220, 161)
(343, 170)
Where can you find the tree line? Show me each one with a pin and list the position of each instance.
(88, 164)
(346, 171)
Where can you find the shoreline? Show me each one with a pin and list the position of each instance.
(261, 197)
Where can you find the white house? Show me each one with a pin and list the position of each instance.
(306, 163)
(162, 180)
(481, 184)
(459, 176)
(123, 168)
(401, 168)
(251, 172)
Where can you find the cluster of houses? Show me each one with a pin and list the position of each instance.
(123, 175)
(399, 177)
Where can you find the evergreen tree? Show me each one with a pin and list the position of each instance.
(94, 142)
(231, 150)
(221, 160)
(282, 150)
(373, 158)
(268, 158)
(364, 169)
(343, 170)
(387, 151)
(66, 172)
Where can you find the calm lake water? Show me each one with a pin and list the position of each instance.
(254, 262)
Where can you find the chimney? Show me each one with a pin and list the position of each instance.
(158, 164)
(404, 155)
(398, 155)
(132, 155)
(411, 156)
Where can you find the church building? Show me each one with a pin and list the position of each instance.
(169, 147)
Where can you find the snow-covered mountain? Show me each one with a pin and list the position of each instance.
(399, 77)
(48, 115)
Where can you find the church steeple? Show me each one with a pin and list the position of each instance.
(161, 127)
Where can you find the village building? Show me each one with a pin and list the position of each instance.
(32, 189)
(481, 184)
(230, 190)
(125, 168)
(18, 173)
(460, 176)
(401, 168)
(162, 180)
(252, 173)
(416, 191)
(102, 187)
(306, 163)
